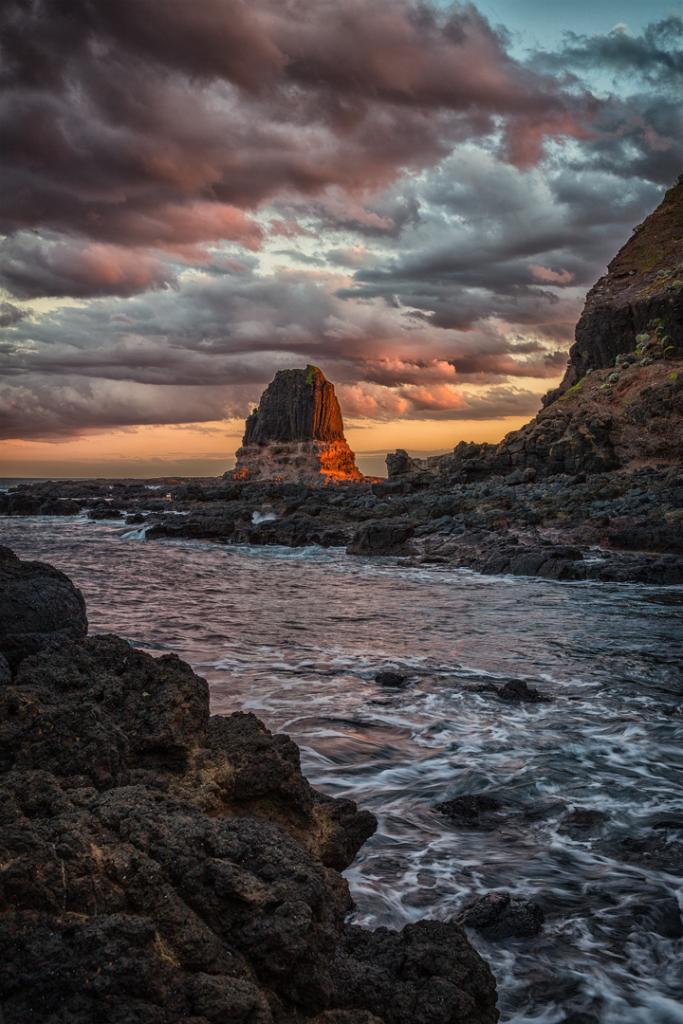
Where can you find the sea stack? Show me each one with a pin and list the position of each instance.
(297, 433)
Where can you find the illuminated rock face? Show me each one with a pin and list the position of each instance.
(297, 433)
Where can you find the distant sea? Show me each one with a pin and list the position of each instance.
(11, 481)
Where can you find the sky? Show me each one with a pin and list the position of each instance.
(415, 197)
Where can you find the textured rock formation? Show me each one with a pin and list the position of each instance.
(37, 604)
(621, 401)
(161, 866)
(643, 286)
(298, 405)
(296, 433)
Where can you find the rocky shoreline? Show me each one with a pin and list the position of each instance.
(158, 864)
(624, 526)
(590, 489)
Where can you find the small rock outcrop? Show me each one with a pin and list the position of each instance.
(498, 915)
(296, 434)
(162, 866)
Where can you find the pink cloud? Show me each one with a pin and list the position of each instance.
(32, 266)
(548, 276)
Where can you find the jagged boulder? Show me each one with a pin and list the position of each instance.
(162, 866)
(296, 433)
(38, 604)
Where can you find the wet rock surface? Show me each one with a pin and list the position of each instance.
(514, 691)
(473, 810)
(651, 850)
(498, 915)
(158, 864)
(391, 678)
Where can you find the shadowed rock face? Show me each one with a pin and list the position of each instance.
(162, 866)
(297, 433)
(37, 604)
(621, 401)
(643, 284)
(298, 405)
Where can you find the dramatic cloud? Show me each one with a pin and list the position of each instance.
(226, 188)
(10, 315)
(31, 266)
(656, 56)
(638, 130)
(443, 401)
(35, 410)
(493, 241)
(117, 115)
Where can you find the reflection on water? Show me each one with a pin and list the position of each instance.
(297, 636)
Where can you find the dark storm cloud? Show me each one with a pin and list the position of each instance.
(11, 314)
(217, 330)
(228, 335)
(656, 55)
(495, 242)
(34, 409)
(31, 265)
(638, 131)
(150, 122)
(442, 242)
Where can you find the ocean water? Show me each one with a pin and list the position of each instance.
(297, 636)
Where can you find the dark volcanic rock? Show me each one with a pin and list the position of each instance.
(646, 535)
(296, 433)
(644, 283)
(392, 678)
(661, 915)
(24, 502)
(202, 526)
(413, 977)
(37, 604)
(383, 537)
(298, 405)
(105, 512)
(472, 810)
(582, 821)
(498, 915)
(650, 850)
(160, 866)
(517, 691)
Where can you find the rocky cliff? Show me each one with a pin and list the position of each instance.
(162, 866)
(296, 433)
(642, 290)
(620, 404)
